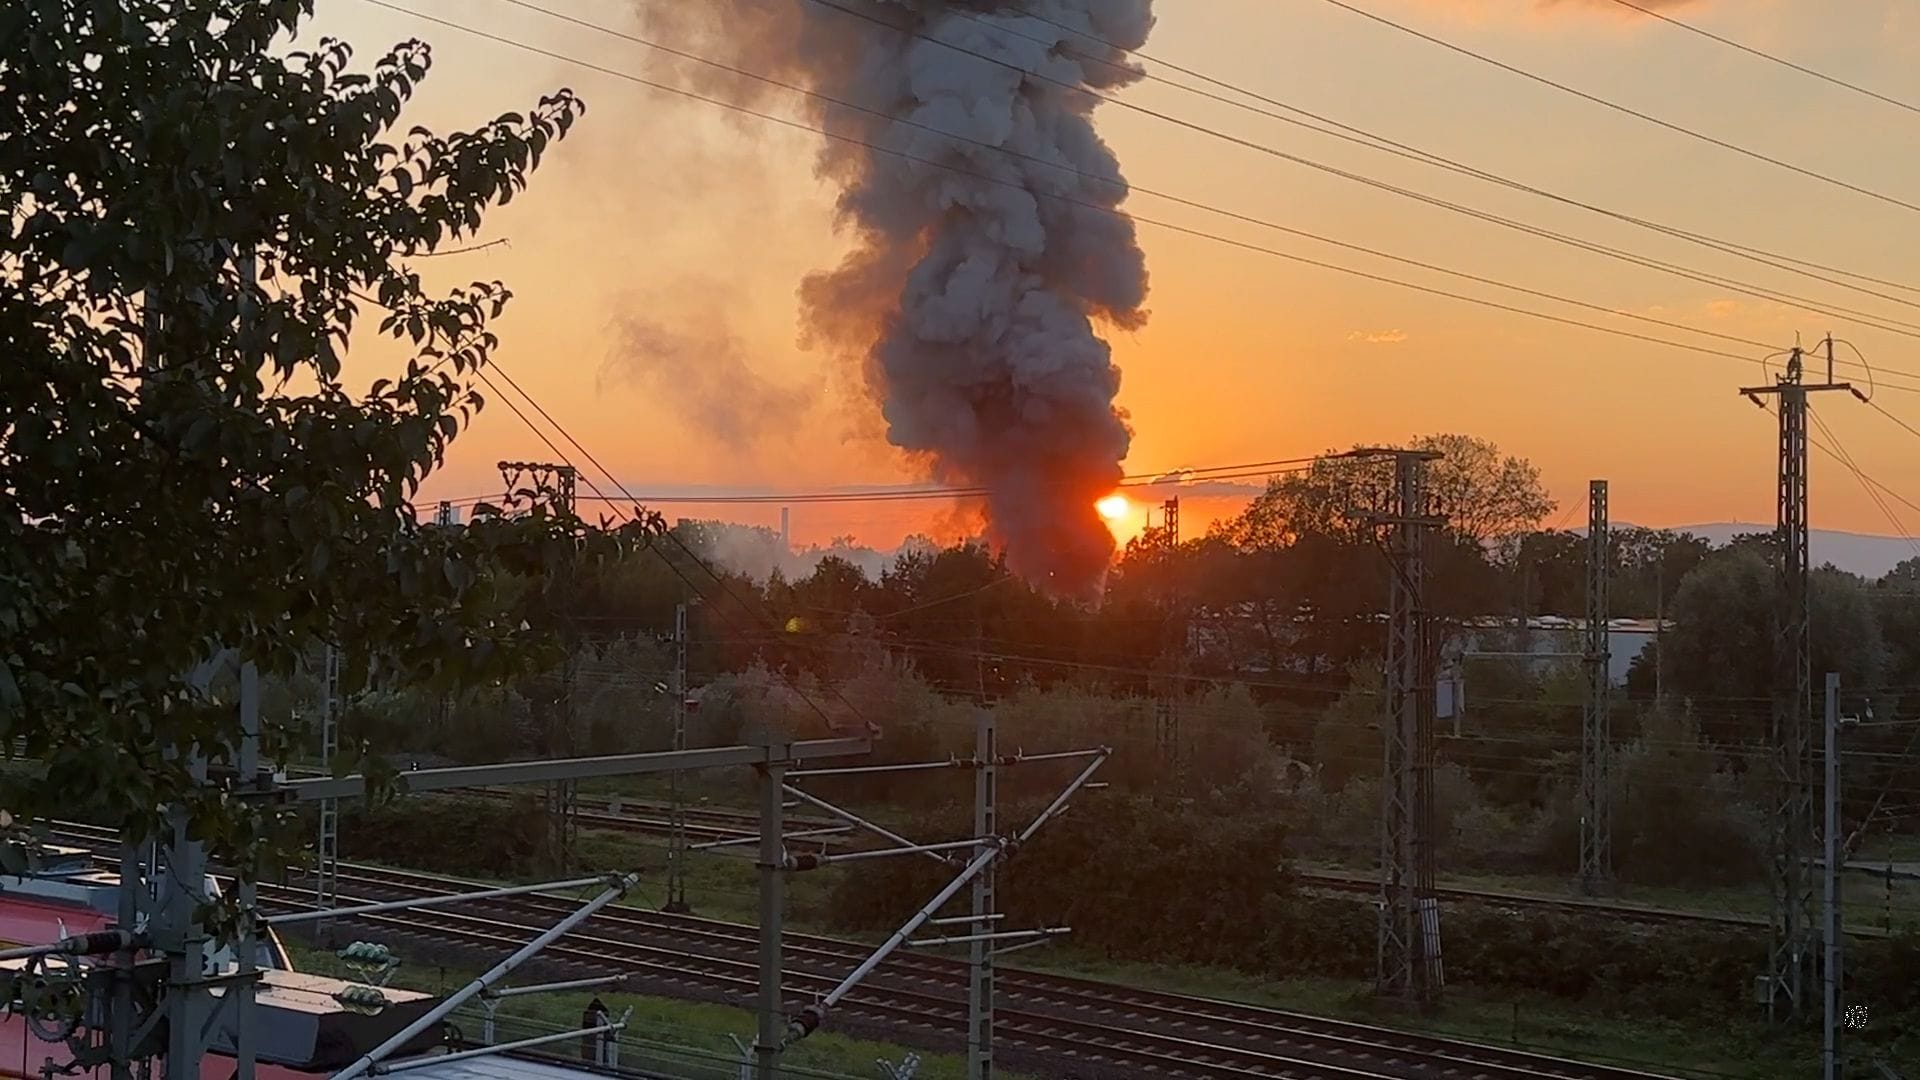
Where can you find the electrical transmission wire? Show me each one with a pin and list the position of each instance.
(1864, 478)
(1175, 478)
(718, 579)
(1084, 204)
(1846, 460)
(1375, 141)
(1769, 57)
(1106, 210)
(1881, 322)
(1876, 321)
(1596, 99)
(1744, 287)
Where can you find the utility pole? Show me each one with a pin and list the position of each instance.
(1408, 960)
(980, 951)
(1832, 1063)
(1167, 705)
(772, 866)
(327, 856)
(1785, 983)
(1596, 735)
(1660, 630)
(555, 486)
(677, 812)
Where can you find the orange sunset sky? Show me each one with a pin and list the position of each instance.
(705, 222)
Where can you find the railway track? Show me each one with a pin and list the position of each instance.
(1080, 1027)
(1330, 880)
(1066, 1026)
(654, 818)
(1344, 881)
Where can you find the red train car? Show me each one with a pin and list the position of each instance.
(302, 1030)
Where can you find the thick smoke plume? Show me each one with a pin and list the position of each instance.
(986, 248)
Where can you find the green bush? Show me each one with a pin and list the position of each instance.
(449, 835)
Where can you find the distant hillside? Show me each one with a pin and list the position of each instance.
(1868, 556)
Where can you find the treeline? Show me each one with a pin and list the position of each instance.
(1274, 688)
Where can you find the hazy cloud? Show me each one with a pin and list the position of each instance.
(1378, 337)
(701, 372)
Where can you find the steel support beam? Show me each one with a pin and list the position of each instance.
(815, 1014)
(326, 877)
(1795, 930)
(772, 865)
(1596, 731)
(1407, 965)
(980, 949)
(677, 811)
(485, 982)
(584, 768)
(1833, 1062)
(1793, 701)
(432, 901)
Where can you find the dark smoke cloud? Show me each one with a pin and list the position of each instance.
(973, 292)
(702, 370)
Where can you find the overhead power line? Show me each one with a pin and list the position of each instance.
(1880, 322)
(1846, 460)
(1769, 57)
(1606, 103)
(1244, 245)
(1255, 470)
(1373, 140)
(670, 536)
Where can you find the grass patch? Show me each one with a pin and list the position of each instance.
(1742, 1049)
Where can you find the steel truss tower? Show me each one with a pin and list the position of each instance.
(1167, 705)
(1408, 962)
(327, 855)
(536, 484)
(980, 951)
(1785, 987)
(1596, 735)
(677, 813)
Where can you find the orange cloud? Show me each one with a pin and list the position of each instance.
(1378, 337)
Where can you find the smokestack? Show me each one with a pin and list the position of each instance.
(986, 242)
(786, 535)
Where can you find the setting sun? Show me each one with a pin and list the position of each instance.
(1114, 507)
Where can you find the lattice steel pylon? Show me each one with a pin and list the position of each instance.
(537, 485)
(1408, 960)
(1596, 734)
(1795, 928)
(1167, 704)
(677, 810)
(326, 870)
(985, 907)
